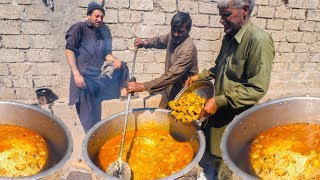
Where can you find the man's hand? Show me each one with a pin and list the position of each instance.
(79, 80)
(140, 43)
(209, 108)
(116, 63)
(191, 79)
(135, 87)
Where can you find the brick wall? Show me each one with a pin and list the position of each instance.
(32, 41)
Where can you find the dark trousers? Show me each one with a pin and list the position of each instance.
(97, 90)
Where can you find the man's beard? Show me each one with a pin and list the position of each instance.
(175, 42)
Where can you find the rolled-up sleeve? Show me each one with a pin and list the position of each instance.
(73, 37)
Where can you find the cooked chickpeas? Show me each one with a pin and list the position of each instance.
(187, 108)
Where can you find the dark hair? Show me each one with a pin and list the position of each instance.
(179, 19)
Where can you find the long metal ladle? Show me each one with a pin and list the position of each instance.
(120, 168)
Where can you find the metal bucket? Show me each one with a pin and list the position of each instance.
(240, 133)
(143, 118)
(47, 125)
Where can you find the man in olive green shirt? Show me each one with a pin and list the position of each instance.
(242, 72)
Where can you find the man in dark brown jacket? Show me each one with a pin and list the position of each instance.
(180, 63)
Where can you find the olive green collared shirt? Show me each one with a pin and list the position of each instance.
(243, 68)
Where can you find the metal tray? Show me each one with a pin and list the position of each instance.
(204, 88)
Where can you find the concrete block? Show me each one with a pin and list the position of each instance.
(145, 56)
(261, 23)
(123, 4)
(266, 12)
(283, 12)
(111, 16)
(159, 56)
(26, 2)
(293, 36)
(36, 27)
(292, 25)
(295, 66)
(301, 57)
(285, 47)
(284, 57)
(144, 77)
(111, 4)
(200, 20)
(130, 16)
(214, 21)
(25, 93)
(313, 15)
(22, 81)
(315, 48)
(115, 106)
(317, 27)
(15, 41)
(11, 55)
(151, 68)
(5, 1)
(278, 36)
(44, 41)
(126, 56)
(204, 57)
(262, 2)
(119, 44)
(188, 6)
(7, 94)
(310, 4)
(145, 31)
(169, 18)
(295, 3)
(9, 27)
(41, 55)
(301, 48)
(208, 8)
(9, 11)
(307, 26)
(121, 31)
(276, 24)
(166, 5)
(152, 18)
(279, 67)
(310, 37)
(216, 46)
(205, 33)
(275, 3)
(141, 5)
(204, 45)
(46, 81)
(38, 12)
(4, 69)
(298, 14)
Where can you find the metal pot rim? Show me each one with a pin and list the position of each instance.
(223, 146)
(69, 149)
(178, 174)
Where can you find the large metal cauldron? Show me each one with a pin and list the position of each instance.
(46, 124)
(245, 127)
(141, 119)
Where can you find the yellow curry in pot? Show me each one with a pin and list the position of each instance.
(290, 151)
(150, 153)
(23, 152)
